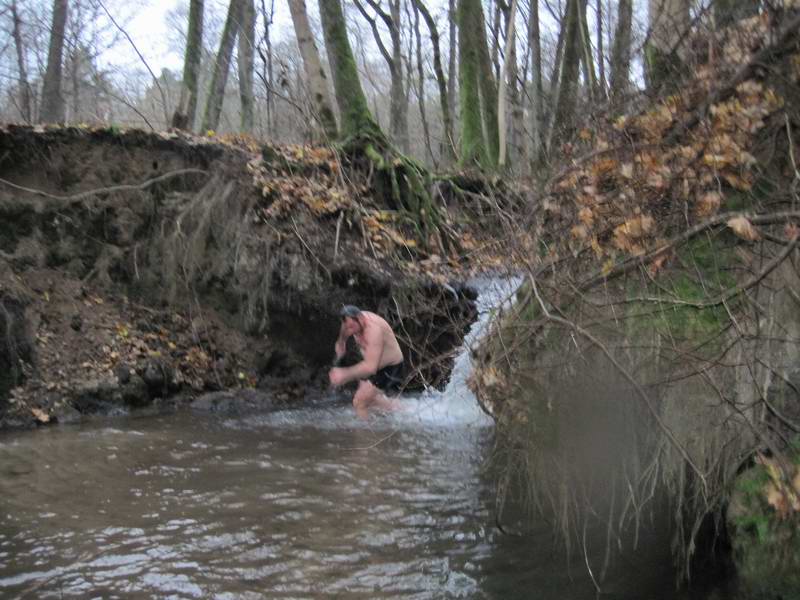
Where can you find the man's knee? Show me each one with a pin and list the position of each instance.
(364, 395)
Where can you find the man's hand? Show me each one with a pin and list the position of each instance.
(340, 349)
(336, 376)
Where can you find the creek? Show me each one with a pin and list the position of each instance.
(303, 503)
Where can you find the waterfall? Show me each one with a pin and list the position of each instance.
(456, 405)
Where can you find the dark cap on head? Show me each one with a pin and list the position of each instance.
(348, 310)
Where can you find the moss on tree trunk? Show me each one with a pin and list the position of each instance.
(356, 119)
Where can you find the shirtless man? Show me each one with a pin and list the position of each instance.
(381, 367)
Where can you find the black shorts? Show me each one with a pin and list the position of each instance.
(389, 378)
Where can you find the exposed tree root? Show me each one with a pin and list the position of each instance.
(404, 185)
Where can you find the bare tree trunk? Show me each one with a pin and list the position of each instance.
(184, 115)
(356, 119)
(494, 26)
(566, 93)
(398, 105)
(516, 130)
(421, 84)
(399, 96)
(510, 56)
(537, 91)
(74, 65)
(219, 79)
(477, 91)
(448, 146)
(246, 61)
(669, 22)
(488, 86)
(452, 61)
(317, 80)
(24, 86)
(558, 62)
(586, 46)
(269, 18)
(621, 52)
(601, 59)
(52, 99)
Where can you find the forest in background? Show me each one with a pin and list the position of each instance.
(536, 64)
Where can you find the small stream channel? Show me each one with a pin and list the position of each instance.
(308, 503)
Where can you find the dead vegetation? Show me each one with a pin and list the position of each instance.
(651, 352)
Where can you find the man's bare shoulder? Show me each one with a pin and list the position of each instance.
(376, 320)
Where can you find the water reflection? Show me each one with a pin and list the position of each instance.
(283, 505)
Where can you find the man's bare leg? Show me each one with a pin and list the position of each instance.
(364, 398)
(368, 396)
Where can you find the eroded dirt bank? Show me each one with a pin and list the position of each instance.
(142, 268)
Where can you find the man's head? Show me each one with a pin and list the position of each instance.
(351, 317)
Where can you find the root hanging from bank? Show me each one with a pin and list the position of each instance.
(214, 246)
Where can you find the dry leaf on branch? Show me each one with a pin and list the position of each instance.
(708, 204)
(40, 415)
(743, 228)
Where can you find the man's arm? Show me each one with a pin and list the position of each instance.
(372, 352)
(340, 347)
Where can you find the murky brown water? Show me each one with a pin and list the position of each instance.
(298, 504)
(302, 504)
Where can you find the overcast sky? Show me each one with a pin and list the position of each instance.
(148, 28)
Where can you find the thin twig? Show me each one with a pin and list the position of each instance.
(378, 443)
(302, 241)
(338, 231)
(144, 62)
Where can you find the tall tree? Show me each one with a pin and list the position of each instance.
(586, 45)
(246, 55)
(516, 129)
(510, 57)
(537, 89)
(317, 80)
(494, 28)
(669, 22)
(452, 58)
(488, 86)
(477, 90)
(403, 179)
(356, 119)
(219, 79)
(601, 58)
(398, 100)
(24, 86)
(421, 84)
(267, 58)
(184, 115)
(621, 52)
(448, 145)
(52, 98)
(566, 95)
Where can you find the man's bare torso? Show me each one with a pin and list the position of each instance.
(390, 353)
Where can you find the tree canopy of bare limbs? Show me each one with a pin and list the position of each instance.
(412, 80)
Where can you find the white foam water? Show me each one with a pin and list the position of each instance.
(453, 407)
(456, 405)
